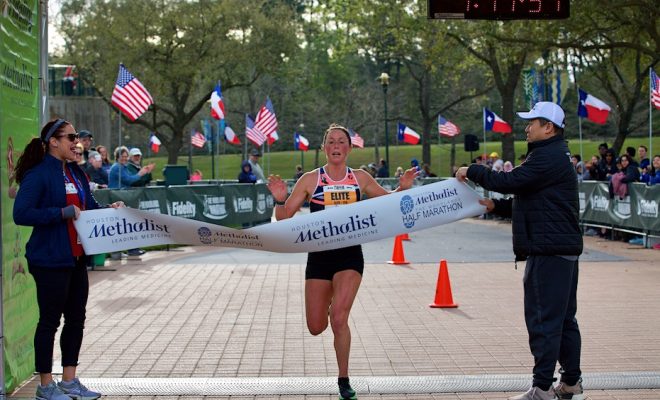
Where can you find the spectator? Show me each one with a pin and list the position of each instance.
(372, 169)
(86, 139)
(508, 167)
(591, 169)
(477, 160)
(95, 171)
(644, 161)
(630, 168)
(522, 158)
(607, 166)
(414, 163)
(427, 171)
(576, 160)
(620, 180)
(399, 172)
(196, 176)
(246, 175)
(119, 177)
(492, 159)
(80, 156)
(498, 165)
(299, 173)
(105, 160)
(254, 164)
(135, 164)
(383, 170)
(652, 176)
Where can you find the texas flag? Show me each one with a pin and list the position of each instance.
(272, 138)
(592, 108)
(217, 103)
(300, 142)
(492, 122)
(231, 136)
(407, 135)
(155, 143)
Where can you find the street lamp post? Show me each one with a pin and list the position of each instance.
(385, 81)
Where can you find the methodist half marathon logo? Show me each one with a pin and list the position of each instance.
(152, 206)
(428, 205)
(583, 201)
(214, 207)
(622, 207)
(120, 230)
(647, 208)
(261, 203)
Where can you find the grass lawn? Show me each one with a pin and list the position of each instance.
(284, 162)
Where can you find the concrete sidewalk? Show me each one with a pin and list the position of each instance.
(197, 313)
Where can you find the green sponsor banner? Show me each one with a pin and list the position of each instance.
(19, 122)
(637, 211)
(232, 205)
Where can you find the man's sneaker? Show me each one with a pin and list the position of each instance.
(346, 392)
(50, 392)
(76, 390)
(574, 392)
(535, 393)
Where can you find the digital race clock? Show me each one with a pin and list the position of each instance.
(498, 9)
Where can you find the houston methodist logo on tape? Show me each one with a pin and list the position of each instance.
(428, 204)
(122, 230)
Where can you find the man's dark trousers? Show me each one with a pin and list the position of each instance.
(550, 284)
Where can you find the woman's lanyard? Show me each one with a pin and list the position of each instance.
(78, 185)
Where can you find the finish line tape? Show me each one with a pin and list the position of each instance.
(109, 229)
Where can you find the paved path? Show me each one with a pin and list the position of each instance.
(227, 313)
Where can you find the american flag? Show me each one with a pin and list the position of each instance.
(356, 139)
(197, 140)
(446, 128)
(266, 121)
(129, 95)
(253, 134)
(655, 89)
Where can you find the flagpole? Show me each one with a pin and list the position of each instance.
(192, 130)
(650, 155)
(577, 90)
(118, 146)
(483, 117)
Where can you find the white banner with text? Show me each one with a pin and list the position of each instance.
(107, 230)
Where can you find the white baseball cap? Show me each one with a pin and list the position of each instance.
(134, 152)
(546, 110)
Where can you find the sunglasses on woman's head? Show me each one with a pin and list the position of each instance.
(71, 136)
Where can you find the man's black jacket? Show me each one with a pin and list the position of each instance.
(545, 207)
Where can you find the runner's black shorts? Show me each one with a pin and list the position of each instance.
(325, 264)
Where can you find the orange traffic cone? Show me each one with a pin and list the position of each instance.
(405, 236)
(443, 297)
(397, 255)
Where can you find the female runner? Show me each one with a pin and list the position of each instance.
(332, 277)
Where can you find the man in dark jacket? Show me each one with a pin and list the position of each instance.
(546, 233)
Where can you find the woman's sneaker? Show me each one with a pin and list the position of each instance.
(574, 392)
(536, 393)
(76, 390)
(50, 392)
(346, 392)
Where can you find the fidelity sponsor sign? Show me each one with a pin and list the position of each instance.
(108, 230)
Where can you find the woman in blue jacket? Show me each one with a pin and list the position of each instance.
(53, 191)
